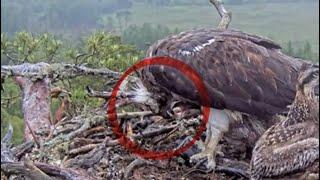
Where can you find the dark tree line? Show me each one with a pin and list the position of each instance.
(39, 16)
(205, 2)
(305, 51)
(143, 36)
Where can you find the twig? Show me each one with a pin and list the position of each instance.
(8, 136)
(56, 70)
(78, 142)
(21, 149)
(127, 115)
(156, 132)
(167, 135)
(79, 56)
(14, 60)
(104, 94)
(225, 15)
(195, 168)
(40, 171)
(134, 164)
(94, 130)
(88, 123)
(32, 134)
(226, 169)
(63, 172)
(232, 170)
(89, 159)
(24, 168)
(6, 153)
(83, 149)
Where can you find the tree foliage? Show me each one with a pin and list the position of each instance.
(55, 15)
(143, 36)
(99, 49)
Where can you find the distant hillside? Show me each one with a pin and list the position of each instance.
(296, 21)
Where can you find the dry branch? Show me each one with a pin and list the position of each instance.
(24, 168)
(21, 149)
(41, 171)
(35, 81)
(89, 159)
(225, 15)
(88, 123)
(106, 95)
(6, 153)
(134, 164)
(83, 149)
(54, 71)
(157, 132)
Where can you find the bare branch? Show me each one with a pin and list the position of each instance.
(35, 139)
(8, 136)
(12, 58)
(135, 164)
(54, 71)
(134, 114)
(84, 55)
(98, 94)
(21, 149)
(106, 95)
(91, 121)
(41, 171)
(83, 149)
(157, 132)
(25, 168)
(6, 153)
(225, 15)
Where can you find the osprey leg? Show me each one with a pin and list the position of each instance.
(218, 124)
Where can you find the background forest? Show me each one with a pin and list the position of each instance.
(116, 33)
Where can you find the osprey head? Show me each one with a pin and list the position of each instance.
(308, 90)
(308, 80)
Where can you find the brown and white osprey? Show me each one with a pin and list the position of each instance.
(243, 73)
(293, 143)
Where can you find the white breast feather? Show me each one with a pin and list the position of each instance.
(140, 92)
(196, 49)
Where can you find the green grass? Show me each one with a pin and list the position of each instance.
(282, 22)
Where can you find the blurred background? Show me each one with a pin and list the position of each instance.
(292, 23)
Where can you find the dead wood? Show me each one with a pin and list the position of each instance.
(42, 171)
(26, 168)
(22, 149)
(134, 164)
(35, 82)
(6, 153)
(225, 15)
(89, 159)
(54, 71)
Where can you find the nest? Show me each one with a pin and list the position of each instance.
(85, 147)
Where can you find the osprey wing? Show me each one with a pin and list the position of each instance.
(242, 72)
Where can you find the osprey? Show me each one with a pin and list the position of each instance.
(243, 74)
(293, 143)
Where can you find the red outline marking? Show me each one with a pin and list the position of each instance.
(187, 71)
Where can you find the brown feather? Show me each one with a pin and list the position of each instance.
(242, 72)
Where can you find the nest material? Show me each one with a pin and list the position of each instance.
(84, 147)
